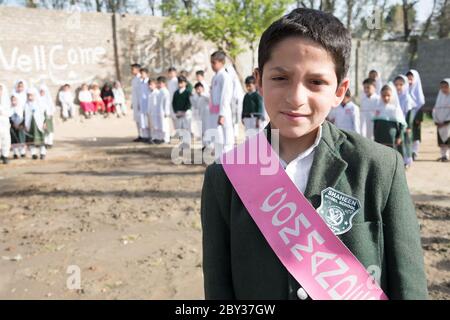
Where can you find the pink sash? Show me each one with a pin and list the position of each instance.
(302, 241)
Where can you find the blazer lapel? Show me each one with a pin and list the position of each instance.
(327, 166)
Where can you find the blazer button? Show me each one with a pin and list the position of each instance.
(301, 294)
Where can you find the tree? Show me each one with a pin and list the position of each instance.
(226, 23)
(407, 8)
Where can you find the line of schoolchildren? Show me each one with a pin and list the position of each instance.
(26, 121)
(391, 114)
(166, 105)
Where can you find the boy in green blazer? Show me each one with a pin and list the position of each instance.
(302, 66)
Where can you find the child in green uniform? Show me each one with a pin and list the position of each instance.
(252, 106)
(35, 125)
(303, 59)
(181, 104)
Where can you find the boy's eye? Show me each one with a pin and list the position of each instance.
(278, 78)
(317, 82)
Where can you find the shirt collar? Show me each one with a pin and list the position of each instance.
(308, 151)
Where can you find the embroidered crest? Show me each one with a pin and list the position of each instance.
(338, 209)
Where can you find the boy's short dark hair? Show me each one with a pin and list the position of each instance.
(198, 84)
(200, 73)
(318, 26)
(409, 73)
(373, 71)
(250, 80)
(144, 70)
(386, 88)
(161, 79)
(182, 79)
(151, 80)
(136, 65)
(219, 56)
(172, 69)
(370, 81)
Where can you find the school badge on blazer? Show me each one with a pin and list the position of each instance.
(337, 210)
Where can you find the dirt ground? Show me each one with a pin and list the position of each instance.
(128, 218)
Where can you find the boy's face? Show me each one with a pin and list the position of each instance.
(135, 71)
(144, 74)
(66, 88)
(299, 86)
(199, 77)
(369, 89)
(346, 99)
(216, 65)
(172, 74)
(250, 87)
(159, 85)
(445, 88)
(399, 86)
(152, 85)
(386, 96)
(199, 90)
(181, 84)
(373, 75)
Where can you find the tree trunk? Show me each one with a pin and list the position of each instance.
(406, 30)
(115, 46)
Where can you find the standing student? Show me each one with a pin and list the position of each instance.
(201, 100)
(66, 99)
(376, 76)
(407, 106)
(144, 120)
(181, 105)
(200, 111)
(236, 99)
(17, 128)
(261, 228)
(162, 116)
(35, 125)
(346, 115)
(108, 99)
(369, 103)
(136, 97)
(20, 92)
(252, 107)
(415, 89)
(5, 112)
(172, 86)
(153, 97)
(441, 117)
(389, 123)
(221, 99)
(46, 103)
(200, 77)
(85, 99)
(119, 100)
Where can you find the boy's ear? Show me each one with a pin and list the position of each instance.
(341, 90)
(258, 78)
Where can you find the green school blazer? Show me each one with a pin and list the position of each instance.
(238, 263)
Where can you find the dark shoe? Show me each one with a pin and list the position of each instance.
(49, 146)
(15, 157)
(444, 159)
(34, 157)
(138, 139)
(42, 157)
(23, 155)
(5, 160)
(414, 156)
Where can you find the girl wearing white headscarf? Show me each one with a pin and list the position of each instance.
(17, 131)
(20, 91)
(416, 91)
(407, 106)
(35, 124)
(389, 121)
(46, 102)
(441, 117)
(5, 112)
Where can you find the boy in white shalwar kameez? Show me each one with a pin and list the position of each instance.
(369, 103)
(346, 115)
(200, 111)
(136, 97)
(35, 124)
(236, 100)
(221, 100)
(152, 105)
(162, 116)
(5, 113)
(145, 91)
(441, 117)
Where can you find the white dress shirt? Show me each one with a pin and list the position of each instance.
(299, 168)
